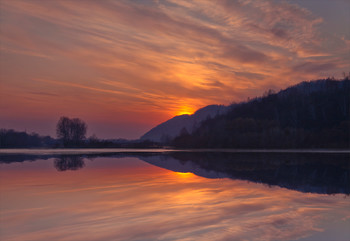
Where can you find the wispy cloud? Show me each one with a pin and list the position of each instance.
(160, 54)
(131, 200)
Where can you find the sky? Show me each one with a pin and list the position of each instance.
(125, 66)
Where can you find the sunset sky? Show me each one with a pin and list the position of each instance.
(126, 66)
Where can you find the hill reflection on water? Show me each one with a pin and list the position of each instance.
(324, 173)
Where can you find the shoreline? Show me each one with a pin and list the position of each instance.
(160, 150)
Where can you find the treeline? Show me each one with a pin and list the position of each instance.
(309, 115)
(16, 139)
(20, 139)
(94, 142)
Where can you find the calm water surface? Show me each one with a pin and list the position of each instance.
(179, 196)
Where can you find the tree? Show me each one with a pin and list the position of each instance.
(71, 131)
(63, 130)
(78, 130)
(65, 163)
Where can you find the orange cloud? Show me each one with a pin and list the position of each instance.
(126, 199)
(149, 57)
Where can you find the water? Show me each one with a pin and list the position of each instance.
(175, 196)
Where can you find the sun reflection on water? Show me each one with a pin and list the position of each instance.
(126, 199)
(184, 174)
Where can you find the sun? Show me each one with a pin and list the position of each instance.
(184, 113)
(185, 110)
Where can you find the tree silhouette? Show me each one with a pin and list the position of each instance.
(65, 163)
(11, 138)
(71, 131)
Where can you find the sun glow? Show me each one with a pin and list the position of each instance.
(184, 113)
(185, 110)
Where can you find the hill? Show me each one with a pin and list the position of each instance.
(308, 115)
(172, 128)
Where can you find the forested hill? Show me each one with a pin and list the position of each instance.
(308, 115)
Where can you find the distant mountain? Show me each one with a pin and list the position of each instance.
(172, 128)
(312, 114)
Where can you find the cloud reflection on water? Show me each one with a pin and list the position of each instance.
(126, 199)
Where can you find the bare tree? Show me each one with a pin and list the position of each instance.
(71, 131)
(78, 128)
(63, 130)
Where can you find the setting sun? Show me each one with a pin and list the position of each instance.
(184, 113)
(185, 110)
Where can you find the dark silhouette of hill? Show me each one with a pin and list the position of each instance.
(168, 130)
(308, 115)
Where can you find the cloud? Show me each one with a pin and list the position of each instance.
(243, 54)
(251, 75)
(158, 55)
(43, 94)
(126, 199)
(312, 67)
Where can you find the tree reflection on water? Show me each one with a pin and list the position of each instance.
(323, 173)
(64, 163)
